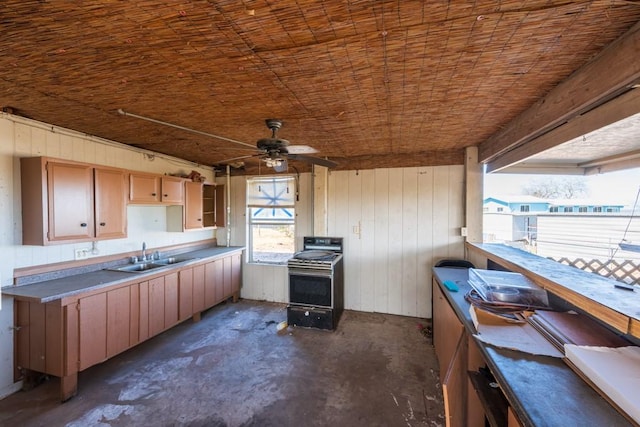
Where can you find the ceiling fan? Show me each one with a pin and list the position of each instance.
(275, 151)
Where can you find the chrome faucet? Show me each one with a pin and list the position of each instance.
(144, 251)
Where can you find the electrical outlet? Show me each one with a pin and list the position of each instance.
(82, 254)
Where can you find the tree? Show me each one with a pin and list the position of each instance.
(557, 188)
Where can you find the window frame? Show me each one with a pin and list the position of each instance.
(270, 204)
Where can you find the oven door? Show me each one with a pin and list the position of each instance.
(311, 287)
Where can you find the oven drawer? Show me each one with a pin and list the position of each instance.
(311, 317)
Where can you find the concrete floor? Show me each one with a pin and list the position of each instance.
(234, 369)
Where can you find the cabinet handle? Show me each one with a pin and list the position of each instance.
(102, 224)
(165, 195)
(153, 194)
(83, 224)
(199, 219)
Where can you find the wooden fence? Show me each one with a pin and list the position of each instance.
(626, 271)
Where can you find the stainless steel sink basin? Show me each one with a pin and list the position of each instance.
(138, 268)
(172, 260)
(143, 267)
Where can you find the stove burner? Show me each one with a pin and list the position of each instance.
(315, 255)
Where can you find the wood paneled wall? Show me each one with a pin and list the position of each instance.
(396, 223)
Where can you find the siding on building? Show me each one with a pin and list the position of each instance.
(587, 236)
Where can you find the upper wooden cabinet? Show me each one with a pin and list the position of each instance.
(204, 207)
(110, 203)
(150, 189)
(193, 213)
(172, 190)
(70, 201)
(213, 206)
(65, 202)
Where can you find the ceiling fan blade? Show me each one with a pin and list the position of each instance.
(314, 160)
(301, 149)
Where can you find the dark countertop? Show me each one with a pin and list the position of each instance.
(56, 289)
(542, 390)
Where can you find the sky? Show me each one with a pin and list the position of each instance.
(621, 186)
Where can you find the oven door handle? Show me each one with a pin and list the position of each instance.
(310, 272)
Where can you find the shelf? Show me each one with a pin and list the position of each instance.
(493, 401)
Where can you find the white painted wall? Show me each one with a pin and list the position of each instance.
(396, 223)
(24, 138)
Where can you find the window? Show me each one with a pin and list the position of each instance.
(553, 209)
(568, 209)
(500, 209)
(597, 209)
(582, 209)
(524, 208)
(271, 213)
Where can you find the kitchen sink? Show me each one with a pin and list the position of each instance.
(172, 260)
(138, 268)
(143, 267)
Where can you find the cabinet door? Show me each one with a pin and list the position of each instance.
(185, 294)
(221, 206)
(198, 289)
(118, 320)
(70, 197)
(210, 282)
(453, 386)
(193, 205)
(170, 300)
(447, 329)
(144, 188)
(111, 207)
(134, 316)
(236, 273)
(218, 272)
(172, 190)
(93, 330)
(156, 306)
(228, 275)
(143, 299)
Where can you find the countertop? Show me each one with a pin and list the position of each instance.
(56, 289)
(542, 390)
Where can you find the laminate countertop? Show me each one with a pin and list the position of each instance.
(542, 390)
(64, 287)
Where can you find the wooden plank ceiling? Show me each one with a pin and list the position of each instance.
(366, 83)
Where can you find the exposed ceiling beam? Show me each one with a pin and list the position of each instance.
(544, 169)
(611, 159)
(620, 108)
(622, 164)
(615, 70)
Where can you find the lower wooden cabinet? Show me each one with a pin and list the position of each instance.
(63, 337)
(447, 330)
(198, 289)
(460, 364)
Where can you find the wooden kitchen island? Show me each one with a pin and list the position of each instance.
(532, 390)
(65, 325)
